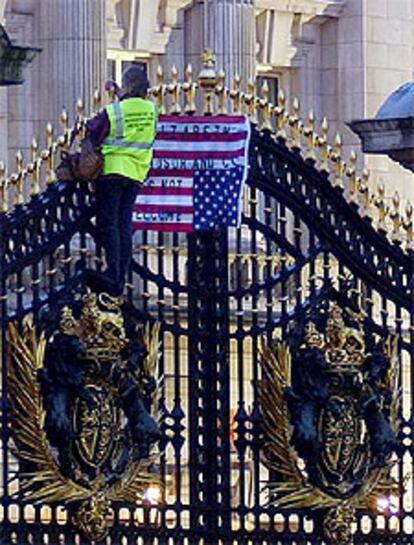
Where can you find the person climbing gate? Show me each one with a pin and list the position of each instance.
(125, 130)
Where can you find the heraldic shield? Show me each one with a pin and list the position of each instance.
(83, 392)
(329, 399)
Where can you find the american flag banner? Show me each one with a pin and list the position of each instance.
(197, 176)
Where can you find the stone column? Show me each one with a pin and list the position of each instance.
(229, 30)
(73, 62)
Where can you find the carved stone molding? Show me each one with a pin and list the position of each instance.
(327, 8)
(115, 29)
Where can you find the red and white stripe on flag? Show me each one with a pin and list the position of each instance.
(185, 145)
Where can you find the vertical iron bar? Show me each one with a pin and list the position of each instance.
(209, 383)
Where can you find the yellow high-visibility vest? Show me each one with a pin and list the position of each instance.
(128, 148)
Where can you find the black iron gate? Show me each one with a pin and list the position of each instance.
(215, 295)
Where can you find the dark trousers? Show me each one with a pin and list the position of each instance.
(115, 198)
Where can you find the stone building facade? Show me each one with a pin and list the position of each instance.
(342, 58)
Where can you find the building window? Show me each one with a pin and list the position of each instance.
(111, 69)
(118, 61)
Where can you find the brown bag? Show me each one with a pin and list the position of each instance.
(84, 166)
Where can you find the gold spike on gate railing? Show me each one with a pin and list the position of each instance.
(382, 208)
(336, 156)
(294, 123)
(365, 200)
(309, 133)
(408, 227)
(353, 181)
(281, 118)
(80, 116)
(251, 101)
(16, 181)
(174, 89)
(236, 95)
(222, 93)
(48, 155)
(64, 139)
(322, 141)
(190, 90)
(266, 108)
(96, 101)
(34, 168)
(3, 189)
(159, 91)
(396, 219)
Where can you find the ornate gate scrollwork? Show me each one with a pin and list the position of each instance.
(329, 397)
(81, 403)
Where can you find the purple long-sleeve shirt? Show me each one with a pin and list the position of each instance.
(98, 128)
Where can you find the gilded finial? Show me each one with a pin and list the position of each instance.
(281, 118)
(236, 96)
(294, 122)
(34, 168)
(266, 108)
(408, 227)
(208, 58)
(323, 145)
(97, 100)
(189, 74)
(64, 120)
(365, 198)
(49, 156)
(80, 108)
(160, 75)
(251, 102)
(3, 189)
(381, 207)
(397, 222)
(17, 180)
(19, 162)
(336, 156)
(353, 180)
(265, 90)
(49, 134)
(174, 89)
(309, 134)
(208, 80)
(190, 89)
(80, 115)
(160, 90)
(63, 141)
(221, 92)
(34, 149)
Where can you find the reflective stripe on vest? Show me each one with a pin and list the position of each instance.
(119, 122)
